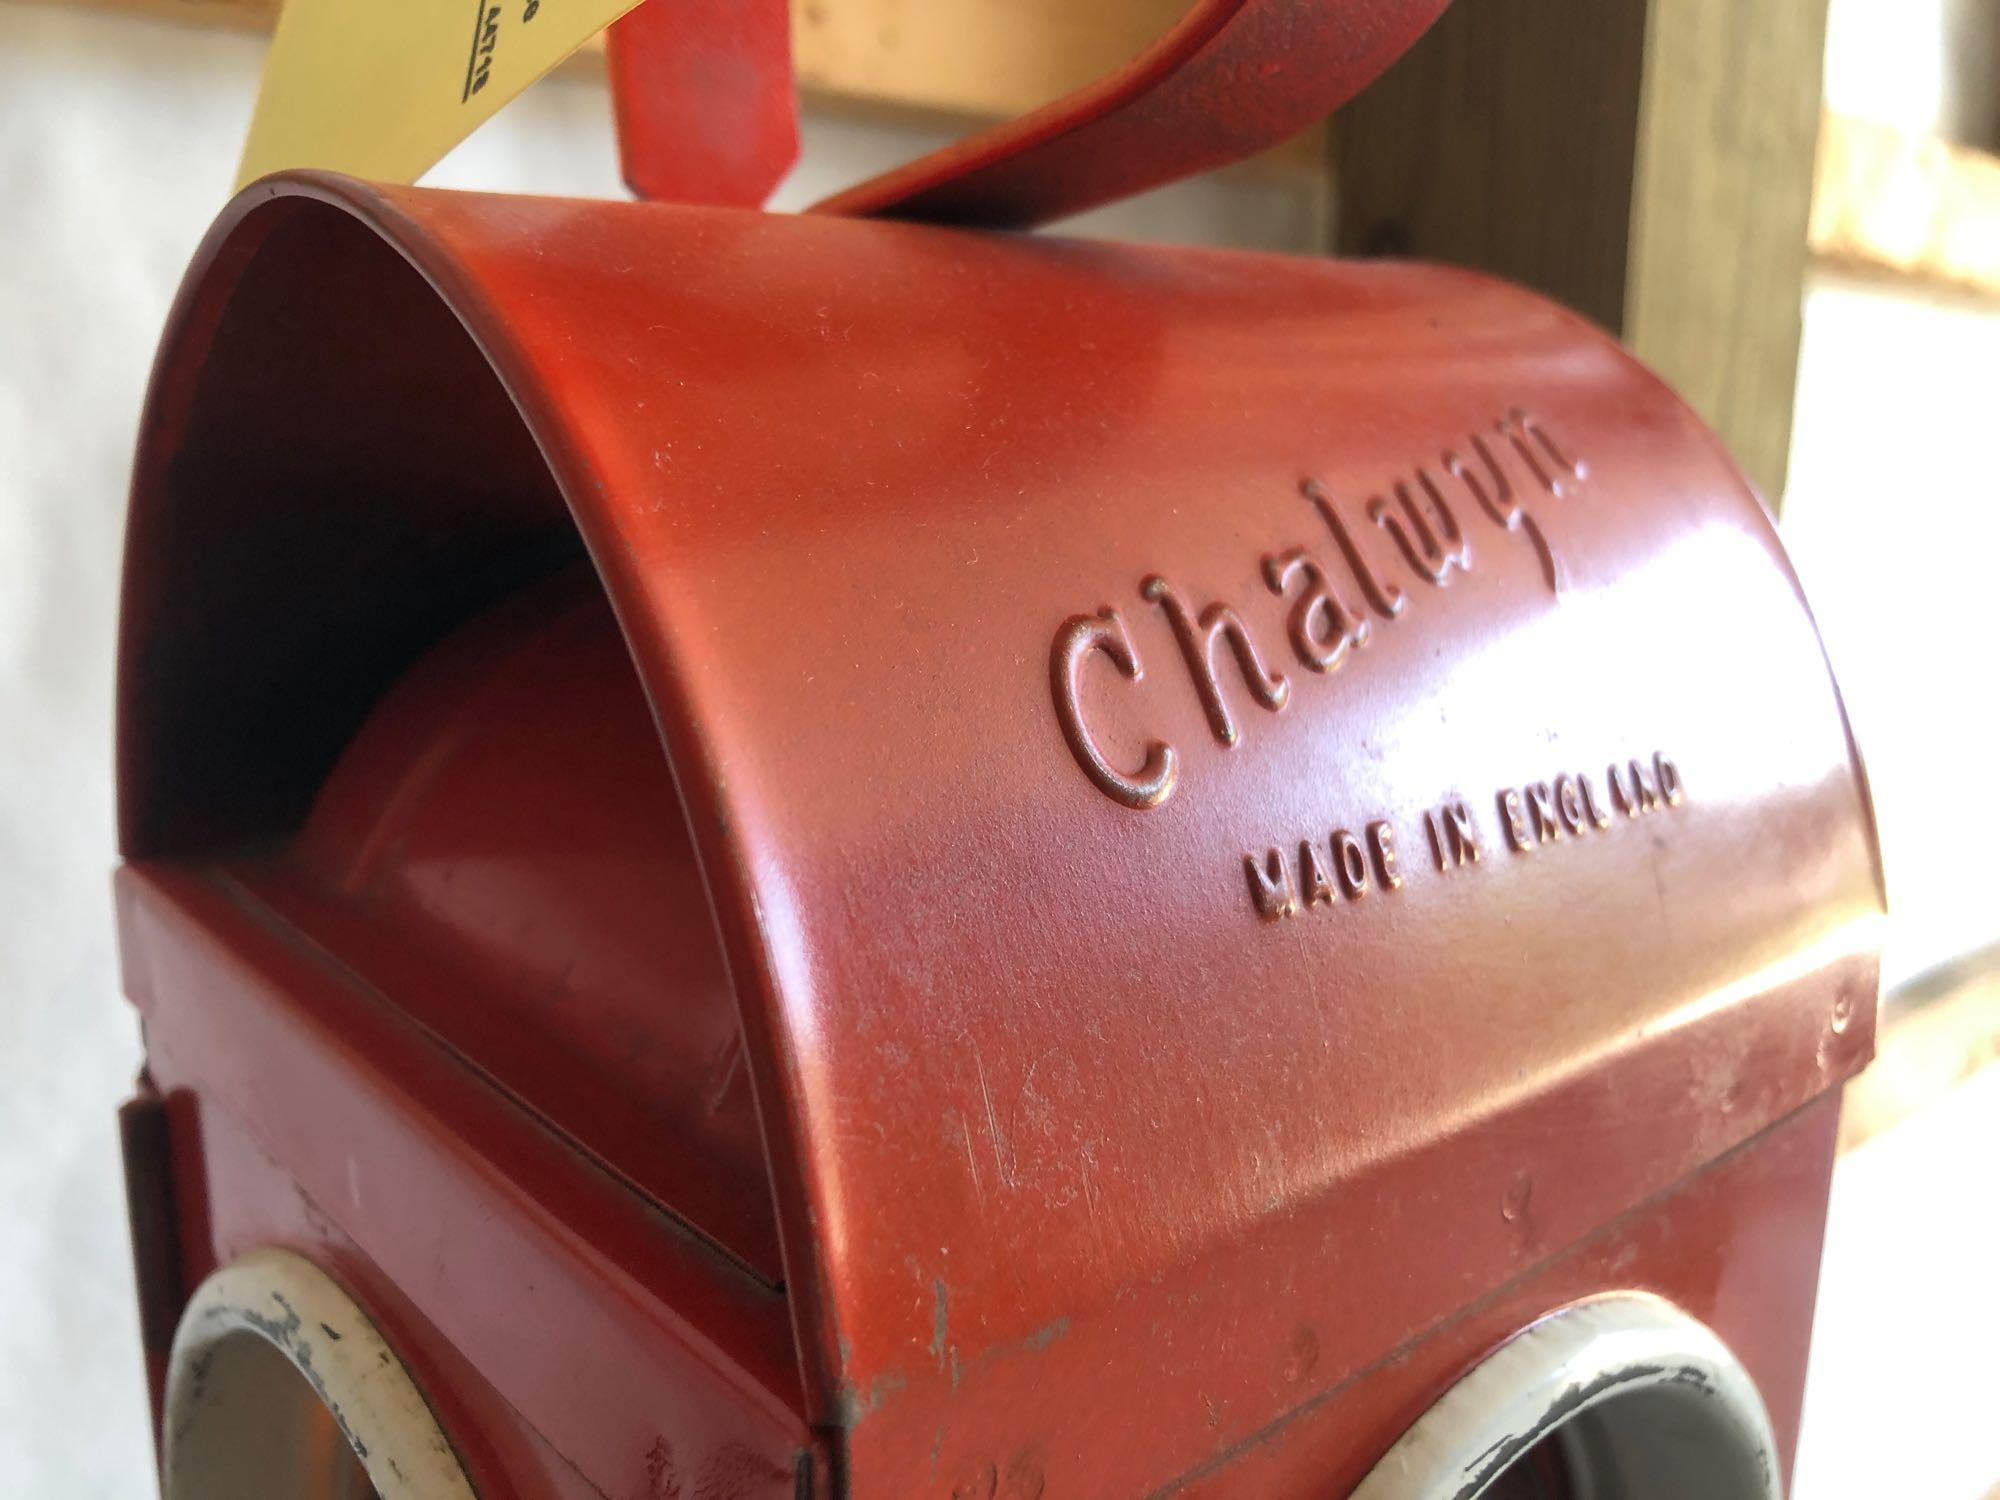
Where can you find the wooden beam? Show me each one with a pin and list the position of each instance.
(1648, 162)
(1883, 201)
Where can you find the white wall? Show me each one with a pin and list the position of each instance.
(1924, 66)
(1901, 1397)
(1892, 517)
(1892, 512)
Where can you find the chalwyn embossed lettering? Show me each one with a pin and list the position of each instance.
(1322, 624)
(1323, 629)
(1551, 467)
(1387, 600)
(1197, 636)
(1076, 641)
(1494, 494)
(1431, 552)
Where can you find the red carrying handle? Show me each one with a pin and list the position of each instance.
(1233, 78)
(702, 92)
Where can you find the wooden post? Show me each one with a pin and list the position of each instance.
(1648, 162)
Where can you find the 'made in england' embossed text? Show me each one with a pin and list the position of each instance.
(1342, 868)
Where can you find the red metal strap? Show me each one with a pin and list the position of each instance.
(706, 112)
(702, 90)
(1235, 77)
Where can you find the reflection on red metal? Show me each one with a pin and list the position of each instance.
(702, 90)
(1234, 77)
(832, 857)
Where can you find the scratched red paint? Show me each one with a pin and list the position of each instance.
(824, 856)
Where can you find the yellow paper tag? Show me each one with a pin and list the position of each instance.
(384, 88)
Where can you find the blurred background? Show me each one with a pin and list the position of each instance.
(1790, 207)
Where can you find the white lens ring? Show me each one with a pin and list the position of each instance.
(1643, 1402)
(279, 1386)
